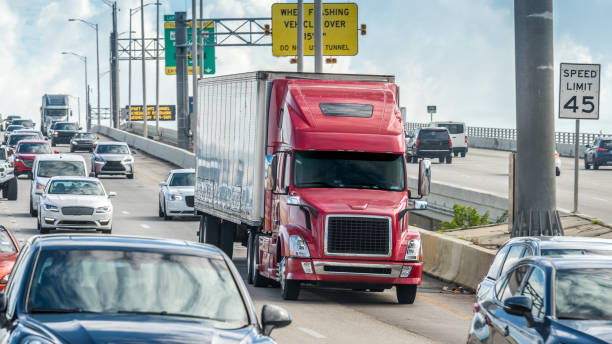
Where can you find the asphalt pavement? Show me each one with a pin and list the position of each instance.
(320, 315)
(487, 170)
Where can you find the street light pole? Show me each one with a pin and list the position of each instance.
(300, 36)
(318, 36)
(157, 75)
(130, 71)
(84, 59)
(145, 132)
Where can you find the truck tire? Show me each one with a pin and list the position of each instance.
(210, 227)
(449, 159)
(557, 171)
(11, 189)
(441, 159)
(406, 293)
(290, 289)
(226, 237)
(259, 281)
(250, 256)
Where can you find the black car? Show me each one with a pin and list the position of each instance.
(517, 248)
(553, 299)
(9, 119)
(429, 143)
(599, 153)
(83, 141)
(113, 289)
(26, 123)
(62, 132)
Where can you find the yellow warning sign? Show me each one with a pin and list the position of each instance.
(340, 29)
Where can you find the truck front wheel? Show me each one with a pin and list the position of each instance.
(259, 281)
(10, 191)
(406, 293)
(290, 289)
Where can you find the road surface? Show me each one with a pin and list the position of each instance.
(319, 316)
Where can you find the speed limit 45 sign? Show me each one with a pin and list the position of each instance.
(579, 91)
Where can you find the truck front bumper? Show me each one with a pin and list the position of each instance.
(354, 272)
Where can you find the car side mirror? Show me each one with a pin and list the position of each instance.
(38, 192)
(273, 317)
(91, 174)
(424, 182)
(112, 194)
(163, 183)
(519, 305)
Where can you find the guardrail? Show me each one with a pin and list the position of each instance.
(165, 135)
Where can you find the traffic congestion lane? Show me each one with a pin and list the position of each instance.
(320, 315)
(487, 170)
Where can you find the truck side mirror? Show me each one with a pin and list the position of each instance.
(424, 183)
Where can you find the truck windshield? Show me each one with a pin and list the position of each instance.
(55, 112)
(354, 170)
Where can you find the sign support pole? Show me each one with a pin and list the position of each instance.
(576, 163)
(300, 36)
(318, 36)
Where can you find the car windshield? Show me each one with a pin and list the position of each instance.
(452, 128)
(137, 282)
(42, 148)
(10, 118)
(13, 127)
(183, 179)
(577, 251)
(13, 139)
(76, 187)
(52, 168)
(112, 149)
(86, 136)
(24, 122)
(65, 126)
(312, 169)
(584, 294)
(6, 244)
(433, 135)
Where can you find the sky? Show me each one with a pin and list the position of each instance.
(457, 55)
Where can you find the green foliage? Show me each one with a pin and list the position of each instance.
(464, 217)
(596, 222)
(503, 218)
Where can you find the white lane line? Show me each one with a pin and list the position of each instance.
(312, 332)
(145, 226)
(125, 212)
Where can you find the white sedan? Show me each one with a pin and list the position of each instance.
(176, 194)
(75, 203)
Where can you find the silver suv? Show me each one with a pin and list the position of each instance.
(112, 158)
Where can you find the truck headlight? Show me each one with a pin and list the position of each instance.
(298, 247)
(413, 250)
(176, 197)
(51, 207)
(101, 210)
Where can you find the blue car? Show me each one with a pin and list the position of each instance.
(599, 153)
(112, 289)
(549, 299)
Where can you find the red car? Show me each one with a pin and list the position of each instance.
(9, 250)
(26, 152)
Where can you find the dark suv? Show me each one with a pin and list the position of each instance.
(63, 132)
(598, 154)
(429, 143)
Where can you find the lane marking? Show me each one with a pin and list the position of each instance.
(125, 212)
(441, 305)
(145, 226)
(312, 332)
(147, 177)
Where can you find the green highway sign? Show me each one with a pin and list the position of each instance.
(208, 38)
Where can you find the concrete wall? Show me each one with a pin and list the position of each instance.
(166, 135)
(171, 154)
(564, 149)
(454, 260)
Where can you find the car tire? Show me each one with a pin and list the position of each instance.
(130, 176)
(250, 256)
(595, 166)
(586, 163)
(43, 230)
(290, 289)
(441, 159)
(463, 154)
(456, 154)
(557, 171)
(33, 212)
(11, 189)
(71, 149)
(406, 293)
(38, 226)
(160, 212)
(449, 159)
(259, 281)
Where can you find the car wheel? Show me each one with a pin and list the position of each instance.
(406, 293)
(456, 154)
(71, 149)
(259, 281)
(463, 154)
(557, 171)
(160, 212)
(11, 190)
(586, 163)
(130, 176)
(441, 159)
(33, 211)
(290, 289)
(165, 211)
(107, 231)
(38, 226)
(595, 166)
(449, 159)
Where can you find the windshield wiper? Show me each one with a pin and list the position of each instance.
(309, 184)
(58, 310)
(171, 315)
(573, 317)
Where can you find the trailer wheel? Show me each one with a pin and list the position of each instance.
(406, 293)
(11, 189)
(210, 227)
(290, 289)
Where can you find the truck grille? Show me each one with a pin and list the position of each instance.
(189, 201)
(358, 235)
(77, 210)
(113, 166)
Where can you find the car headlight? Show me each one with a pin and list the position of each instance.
(51, 207)
(32, 339)
(128, 160)
(55, 133)
(298, 247)
(5, 279)
(74, 142)
(100, 210)
(176, 197)
(98, 159)
(413, 250)
(17, 159)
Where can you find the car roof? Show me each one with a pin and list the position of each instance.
(93, 241)
(447, 122)
(68, 157)
(74, 178)
(434, 128)
(183, 170)
(550, 242)
(105, 143)
(33, 141)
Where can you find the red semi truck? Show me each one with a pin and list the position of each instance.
(308, 171)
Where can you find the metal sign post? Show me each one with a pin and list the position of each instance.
(578, 99)
(431, 109)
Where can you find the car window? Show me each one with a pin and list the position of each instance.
(583, 294)
(13, 139)
(2, 154)
(513, 281)
(52, 168)
(6, 243)
(183, 179)
(452, 128)
(534, 288)
(85, 136)
(12, 287)
(514, 254)
(577, 251)
(433, 135)
(112, 149)
(495, 268)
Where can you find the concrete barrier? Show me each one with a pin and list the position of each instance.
(454, 260)
(171, 154)
(166, 135)
(564, 149)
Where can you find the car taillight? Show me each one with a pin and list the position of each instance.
(450, 142)
(418, 142)
(556, 155)
(466, 139)
(602, 150)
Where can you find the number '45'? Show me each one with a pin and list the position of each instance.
(586, 101)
